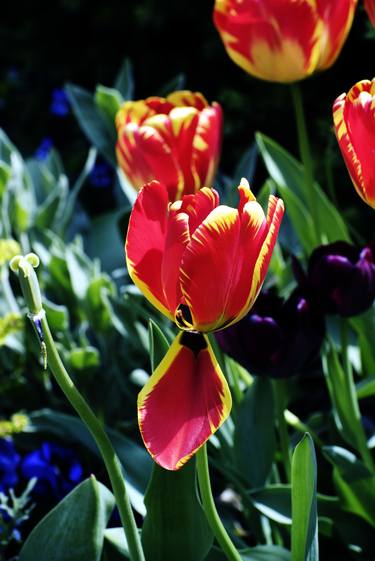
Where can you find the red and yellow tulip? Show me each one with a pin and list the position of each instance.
(354, 120)
(176, 140)
(370, 9)
(283, 41)
(202, 264)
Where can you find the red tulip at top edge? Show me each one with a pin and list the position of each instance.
(370, 9)
(354, 119)
(202, 264)
(176, 140)
(283, 40)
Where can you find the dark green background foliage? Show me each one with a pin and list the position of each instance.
(84, 42)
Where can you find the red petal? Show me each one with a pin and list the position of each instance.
(177, 238)
(207, 143)
(199, 206)
(184, 402)
(337, 18)
(145, 243)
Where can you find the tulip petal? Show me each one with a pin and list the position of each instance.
(177, 238)
(207, 143)
(354, 119)
(199, 206)
(337, 18)
(184, 98)
(277, 41)
(207, 269)
(145, 243)
(184, 402)
(131, 159)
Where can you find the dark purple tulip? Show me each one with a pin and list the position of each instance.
(340, 278)
(278, 338)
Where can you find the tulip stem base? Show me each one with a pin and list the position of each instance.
(209, 507)
(305, 155)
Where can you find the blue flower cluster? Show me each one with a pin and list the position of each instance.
(55, 468)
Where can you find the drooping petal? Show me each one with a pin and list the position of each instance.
(185, 400)
(145, 243)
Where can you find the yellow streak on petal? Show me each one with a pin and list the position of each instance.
(181, 117)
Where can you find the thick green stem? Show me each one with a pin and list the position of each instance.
(31, 291)
(280, 406)
(305, 155)
(209, 507)
(349, 388)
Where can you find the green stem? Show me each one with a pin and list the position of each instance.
(24, 266)
(350, 390)
(209, 507)
(280, 406)
(305, 155)
(110, 458)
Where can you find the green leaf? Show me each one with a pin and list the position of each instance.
(57, 315)
(159, 344)
(115, 544)
(354, 482)
(84, 357)
(366, 388)
(91, 121)
(175, 84)
(135, 459)
(275, 502)
(247, 164)
(254, 435)
(258, 553)
(175, 526)
(346, 412)
(124, 81)
(365, 327)
(287, 172)
(109, 102)
(74, 529)
(304, 510)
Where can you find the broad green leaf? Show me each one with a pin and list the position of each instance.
(57, 315)
(74, 529)
(287, 172)
(354, 482)
(366, 388)
(91, 121)
(258, 553)
(79, 274)
(275, 502)
(300, 218)
(364, 325)
(115, 545)
(159, 344)
(5, 173)
(105, 242)
(124, 81)
(109, 102)
(304, 510)
(49, 211)
(254, 436)
(175, 526)
(246, 166)
(136, 461)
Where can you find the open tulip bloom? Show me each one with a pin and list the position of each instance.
(202, 264)
(283, 41)
(176, 140)
(354, 119)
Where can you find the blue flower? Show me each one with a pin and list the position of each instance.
(60, 103)
(44, 149)
(9, 462)
(56, 469)
(101, 175)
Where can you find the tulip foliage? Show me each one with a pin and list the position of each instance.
(232, 337)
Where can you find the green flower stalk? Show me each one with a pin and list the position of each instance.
(24, 266)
